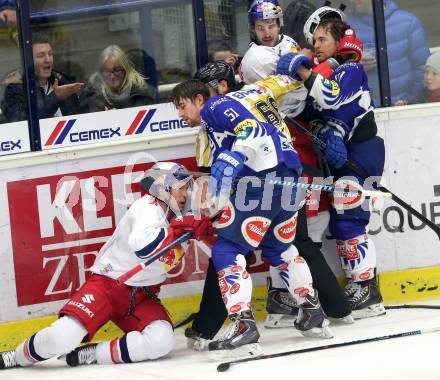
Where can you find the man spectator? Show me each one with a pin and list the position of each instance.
(7, 12)
(56, 95)
(407, 49)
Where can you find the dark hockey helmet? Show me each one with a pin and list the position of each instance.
(213, 72)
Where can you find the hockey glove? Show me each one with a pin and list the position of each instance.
(350, 47)
(289, 63)
(224, 171)
(335, 151)
(201, 227)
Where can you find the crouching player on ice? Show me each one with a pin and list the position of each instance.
(242, 145)
(149, 225)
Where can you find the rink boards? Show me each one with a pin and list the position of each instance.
(59, 206)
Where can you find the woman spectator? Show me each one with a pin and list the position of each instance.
(432, 78)
(116, 84)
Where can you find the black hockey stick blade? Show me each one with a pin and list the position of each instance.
(222, 367)
(185, 321)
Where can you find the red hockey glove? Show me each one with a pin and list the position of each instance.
(350, 47)
(201, 227)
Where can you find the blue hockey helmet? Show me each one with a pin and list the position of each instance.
(264, 10)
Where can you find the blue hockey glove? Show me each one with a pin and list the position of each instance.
(335, 151)
(224, 171)
(289, 63)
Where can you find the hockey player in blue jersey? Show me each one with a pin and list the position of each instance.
(242, 145)
(344, 102)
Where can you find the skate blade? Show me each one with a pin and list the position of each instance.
(370, 311)
(242, 352)
(197, 344)
(323, 332)
(347, 320)
(279, 321)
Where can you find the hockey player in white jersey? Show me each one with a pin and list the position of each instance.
(265, 27)
(148, 226)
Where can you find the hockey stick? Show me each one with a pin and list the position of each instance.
(360, 171)
(129, 274)
(338, 191)
(185, 321)
(394, 307)
(222, 367)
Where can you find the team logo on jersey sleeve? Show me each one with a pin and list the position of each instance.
(227, 217)
(331, 85)
(245, 125)
(254, 228)
(285, 231)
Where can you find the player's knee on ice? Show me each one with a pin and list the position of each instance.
(155, 341)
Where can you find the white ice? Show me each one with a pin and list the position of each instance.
(414, 357)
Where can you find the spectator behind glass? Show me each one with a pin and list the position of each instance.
(116, 84)
(7, 12)
(221, 51)
(432, 78)
(407, 50)
(56, 95)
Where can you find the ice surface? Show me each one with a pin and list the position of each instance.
(415, 357)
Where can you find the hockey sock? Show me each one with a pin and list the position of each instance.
(155, 341)
(61, 337)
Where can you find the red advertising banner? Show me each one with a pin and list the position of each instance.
(58, 224)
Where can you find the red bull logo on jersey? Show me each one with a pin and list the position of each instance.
(254, 228)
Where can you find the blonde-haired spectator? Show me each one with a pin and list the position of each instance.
(432, 78)
(116, 84)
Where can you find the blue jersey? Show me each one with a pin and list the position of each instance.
(343, 99)
(230, 126)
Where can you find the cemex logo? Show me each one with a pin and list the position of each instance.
(63, 130)
(7, 146)
(88, 298)
(140, 122)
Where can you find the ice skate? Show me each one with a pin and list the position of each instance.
(82, 355)
(312, 321)
(367, 301)
(7, 360)
(239, 340)
(281, 308)
(195, 340)
(347, 320)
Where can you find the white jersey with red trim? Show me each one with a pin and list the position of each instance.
(142, 231)
(261, 61)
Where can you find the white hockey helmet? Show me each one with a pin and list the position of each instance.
(316, 17)
(159, 185)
